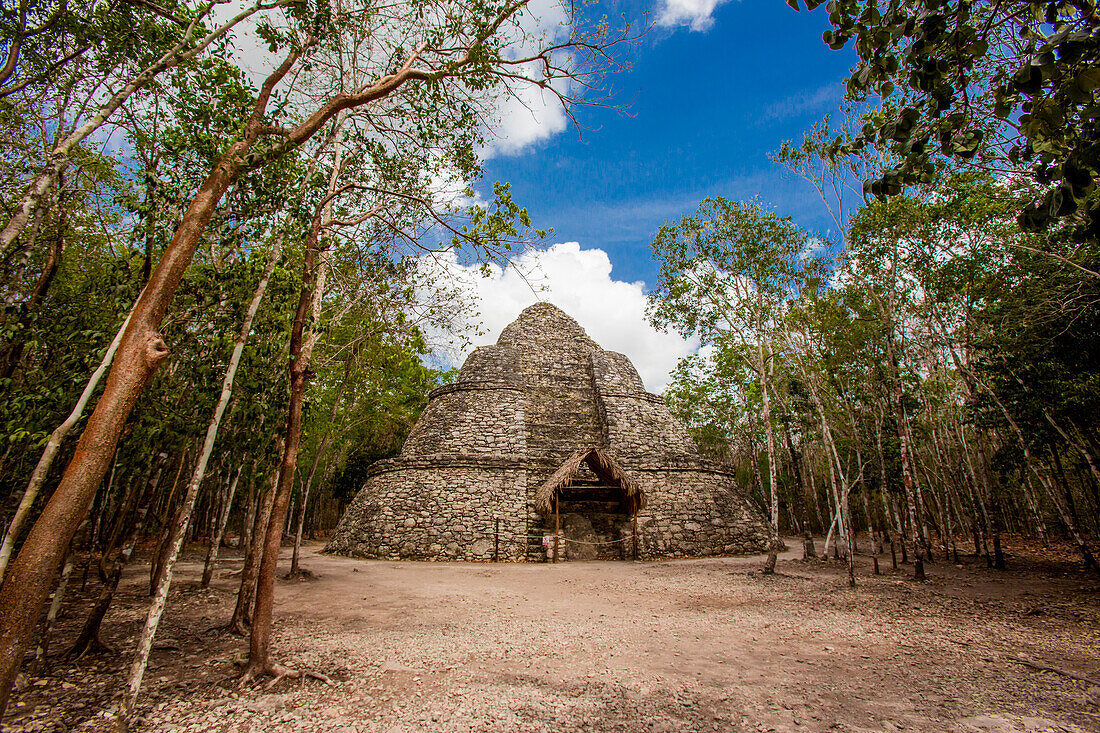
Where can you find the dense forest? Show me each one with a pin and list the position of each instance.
(217, 280)
(929, 372)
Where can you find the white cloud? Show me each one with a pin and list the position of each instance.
(578, 281)
(528, 115)
(521, 116)
(697, 14)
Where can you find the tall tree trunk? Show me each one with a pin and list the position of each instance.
(43, 648)
(843, 510)
(242, 611)
(906, 462)
(98, 513)
(156, 564)
(321, 449)
(314, 274)
(140, 353)
(259, 660)
(248, 516)
(769, 432)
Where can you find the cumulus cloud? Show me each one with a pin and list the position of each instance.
(579, 281)
(528, 113)
(696, 14)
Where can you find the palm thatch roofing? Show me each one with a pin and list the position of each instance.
(604, 466)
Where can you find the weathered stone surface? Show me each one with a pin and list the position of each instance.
(464, 484)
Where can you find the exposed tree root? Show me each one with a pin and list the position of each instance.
(84, 647)
(235, 628)
(277, 672)
(301, 574)
(1031, 663)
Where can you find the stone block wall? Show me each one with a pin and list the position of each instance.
(684, 519)
(635, 422)
(482, 418)
(492, 364)
(445, 507)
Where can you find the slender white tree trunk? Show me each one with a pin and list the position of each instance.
(179, 532)
(219, 532)
(769, 432)
(51, 616)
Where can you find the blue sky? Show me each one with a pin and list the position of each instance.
(702, 110)
(713, 89)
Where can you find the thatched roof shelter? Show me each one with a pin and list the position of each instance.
(604, 466)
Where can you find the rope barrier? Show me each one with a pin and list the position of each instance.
(593, 544)
(539, 537)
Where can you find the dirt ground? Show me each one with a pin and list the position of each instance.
(686, 645)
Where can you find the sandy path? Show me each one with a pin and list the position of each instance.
(694, 645)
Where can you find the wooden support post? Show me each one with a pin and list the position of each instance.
(634, 533)
(557, 526)
(496, 540)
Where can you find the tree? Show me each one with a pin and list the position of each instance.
(1006, 87)
(470, 49)
(725, 274)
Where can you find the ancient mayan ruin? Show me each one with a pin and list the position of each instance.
(545, 435)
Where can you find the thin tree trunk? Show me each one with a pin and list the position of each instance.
(43, 648)
(97, 522)
(25, 249)
(248, 516)
(906, 463)
(321, 449)
(242, 612)
(157, 563)
(843, 510)
(215, 543)
(990, 506)
(769, 432)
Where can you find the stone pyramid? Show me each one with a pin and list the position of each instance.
(547, 410)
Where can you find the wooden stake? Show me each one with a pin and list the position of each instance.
(634, 532)
(557, 526)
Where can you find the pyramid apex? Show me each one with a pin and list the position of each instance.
(541, 320)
